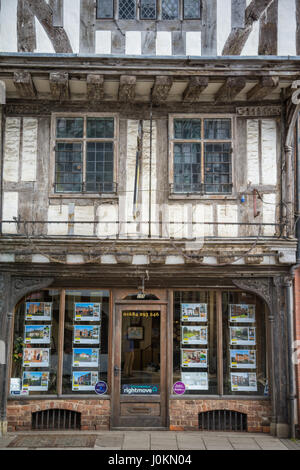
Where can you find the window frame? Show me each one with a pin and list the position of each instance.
(202, 141)
(83, 140)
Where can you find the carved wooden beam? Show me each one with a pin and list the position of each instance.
(95, 87)
(59, 85)
(24, 84)
(194, 89)
(264, 88)
(127, 88)
(230, 89)
(161, 88)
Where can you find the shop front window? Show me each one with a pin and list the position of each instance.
(219, 343)
(60, 342)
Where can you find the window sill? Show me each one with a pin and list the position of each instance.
(58, 397)
(220, 397)
(110, 197)
(203, 197)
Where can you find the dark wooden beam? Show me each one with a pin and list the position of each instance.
(127, 88)
(95, 87)
(59, 85)
(161, 88)
(268, 30)
(24, 84)
(194, 89)
(230, 89)
(264, 88)
(25, 28)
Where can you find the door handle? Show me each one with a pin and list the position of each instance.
(116, 371)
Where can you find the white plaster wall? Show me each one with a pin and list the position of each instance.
(164, 43)
(72, 22)
(269, 213)
(223, 23)
(8, 26)
(251, 46)
(107, 214)
(269, 151)
(84, 214)
(180, 218)
(61, 214)
(103, 42)
(43, 43)
(202, 213)
(133, 43)
(286, 27)
(227, 213)
(193, 43)
(252, 151)
(29, 149)
(11, 150)
(10, 210)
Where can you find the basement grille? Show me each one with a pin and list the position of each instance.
(56, 419)
(222, 420)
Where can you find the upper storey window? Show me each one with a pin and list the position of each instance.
(149, 9)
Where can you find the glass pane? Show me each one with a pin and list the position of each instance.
(170, 9)
(34, 360)
(244, 344)
(105, 9)
(68, 167)
(148, 9)
(191, 9)
(69, 128)
(140, 353)
(100, 128)
(187, 128)
(219, 129)
(99, 169)
(187, 167)
(195, 342)
(126, 9)
(217, 168)
(85, 340)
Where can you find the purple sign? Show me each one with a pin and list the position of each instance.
(101, 388)
(179, 388)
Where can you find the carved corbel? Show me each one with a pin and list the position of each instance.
(21, 286)
(260, 286)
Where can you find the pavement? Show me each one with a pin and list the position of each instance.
(145, 440)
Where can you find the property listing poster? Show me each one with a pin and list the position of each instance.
(38, 311)
(193, 312)
(35, 381)
(85, 357)
(194, 357)
(36, 357)
(243, 381)
(86, 334)
(37, 334)
(243, 358)
(84, 380)
(241, 313)
(243, 335)
(87, 311)
(194, 334)
(195, 380)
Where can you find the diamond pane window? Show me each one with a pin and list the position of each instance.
(187, 168)
(68, 167)
(191, 9)
(217, 162)
(148, 9)
(170, 9)
(127, 9)
(99, 167)
(105, 9)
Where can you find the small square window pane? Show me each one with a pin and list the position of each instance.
(187, 128)
(105, 9)
(126, 9)
(170, 9)
(100, 128)
(69, 128)
(148, 9)
(217, 129)
(191, 9)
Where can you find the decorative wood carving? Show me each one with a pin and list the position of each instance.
(194, 89)
(59, 85)
(259, 111)
(259, 286)
(161, 88)
(24, 85)
(127, 88)
(264, 88)
(95, 87)
(230, 89)
(24, 285)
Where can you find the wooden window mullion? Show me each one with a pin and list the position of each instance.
(60, 352)
(219, 343)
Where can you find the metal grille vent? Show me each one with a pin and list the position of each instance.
(222, 420)
(56, 419)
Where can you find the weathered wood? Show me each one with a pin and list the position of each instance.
(238, 8)
(209, 33)
(59, 85)
(95, 87)
(161, 88)
(268, 31)
(2, 95)
(25, 28)
(194, 89)
(56, 34)
(127, 88)
(87, 26)
(24, 85)
(238, 36)
(230, 89)
(57, 7)
(297, 27)
(263, 88)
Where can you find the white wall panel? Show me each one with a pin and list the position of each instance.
(133, 43)
(29, 149)
(269, 151)
(103, 42)
(252, 151)
(286, 27)
(193, 43)
(8, 26)
(223, 23)
(12, 150)
(164, 43)
(10, 210)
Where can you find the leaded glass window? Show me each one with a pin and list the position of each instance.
(202, 151)
(105, 9)
(191, 9)
(84, 154)
(127, 9)
(170, 9)
(148, 10)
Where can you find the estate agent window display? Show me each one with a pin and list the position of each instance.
(60, 342)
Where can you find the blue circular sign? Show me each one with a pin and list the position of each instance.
(101, 388)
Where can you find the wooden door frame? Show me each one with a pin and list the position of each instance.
(116, 397)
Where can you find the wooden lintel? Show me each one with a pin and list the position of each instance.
(59, 85)
(24, 84)
(264, 88)
(127, 88)
(95, 87)
(161, 88)
(230, 89)
(194, 89)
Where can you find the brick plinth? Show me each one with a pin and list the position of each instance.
(184, 413)
(95, 414)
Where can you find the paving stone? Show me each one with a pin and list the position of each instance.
(136, 441)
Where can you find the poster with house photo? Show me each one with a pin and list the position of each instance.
(38, 311)
(85, 357)
(241, 313)
(242, 335)
(243, 381)
(243, 359)
(193, 312)
(87, 311)
(194, 334)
